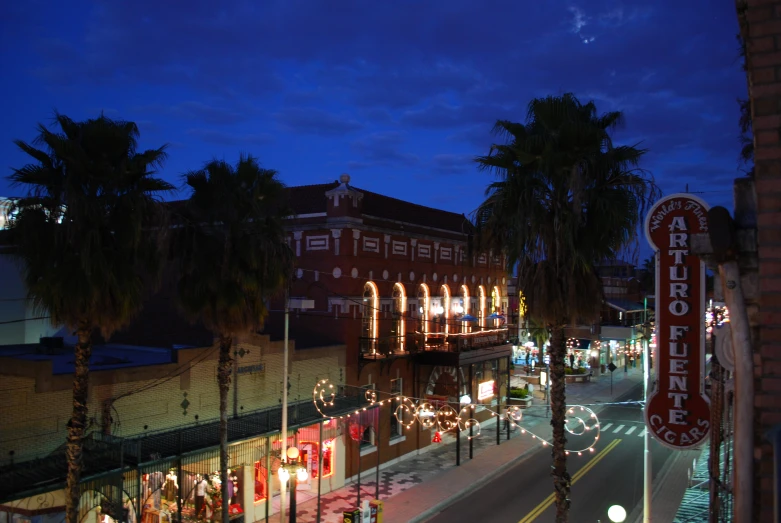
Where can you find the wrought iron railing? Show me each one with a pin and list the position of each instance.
(105, 453)
(462, 341)
(388, 346)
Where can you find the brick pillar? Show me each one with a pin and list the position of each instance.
(760, 22)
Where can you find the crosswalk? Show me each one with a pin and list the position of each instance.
(610, 428)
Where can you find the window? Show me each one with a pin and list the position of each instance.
(396, 424)
(261, 481)
(366, 421)
(367, 439)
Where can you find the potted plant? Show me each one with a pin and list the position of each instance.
(520, 397)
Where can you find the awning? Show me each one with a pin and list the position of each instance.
(625, 305)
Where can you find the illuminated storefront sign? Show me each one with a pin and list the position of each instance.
(677, 413)
(485, 390)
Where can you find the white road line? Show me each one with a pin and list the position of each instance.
(618, 429)
(631, 430)
(607, 426)
(642, 432)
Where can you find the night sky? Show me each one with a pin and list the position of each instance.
(401, 95)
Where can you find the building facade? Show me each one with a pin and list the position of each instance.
(153, 429)
(394, 282)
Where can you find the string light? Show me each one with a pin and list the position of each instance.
(446, 418)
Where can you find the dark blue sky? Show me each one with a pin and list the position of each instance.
(401, 95)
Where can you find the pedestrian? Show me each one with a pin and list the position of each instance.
(572, 360)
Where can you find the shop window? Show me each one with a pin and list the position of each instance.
(309, 457)
(261, 481)
(396, 424)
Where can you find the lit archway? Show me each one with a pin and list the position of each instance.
(465, 325)
(424, 301)
(481, 306)
(371, 306)
(399, 310)
(496, 304)
(445, 290)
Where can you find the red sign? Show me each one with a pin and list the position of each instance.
(678, 412)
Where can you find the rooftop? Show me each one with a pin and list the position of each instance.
(104, 357)
(310, 199)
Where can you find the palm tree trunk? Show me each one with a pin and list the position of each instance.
(224, 381)
(78, 421)
(561, 478)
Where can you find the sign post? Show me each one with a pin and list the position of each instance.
(611, 367)
(677, 413)
(546, 360)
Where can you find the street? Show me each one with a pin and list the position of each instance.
(611, 475)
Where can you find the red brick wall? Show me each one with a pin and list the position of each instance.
(761, 28)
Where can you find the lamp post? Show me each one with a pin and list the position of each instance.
(292, 470)
(301, 304)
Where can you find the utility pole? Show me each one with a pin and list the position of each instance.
(285, 370)
(647, 464)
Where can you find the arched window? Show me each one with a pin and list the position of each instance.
(481, 306)
(399, 309)
(371, 305)
(423, 301)
(464, 305)
(445, 292)
(496, 301)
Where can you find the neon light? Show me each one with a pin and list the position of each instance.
(485, 390)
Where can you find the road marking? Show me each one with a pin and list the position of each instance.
(607, 426)
(642, 432)
(547, 502)
(631, 430)
(618, 429)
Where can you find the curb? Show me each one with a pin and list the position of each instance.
(432, 511)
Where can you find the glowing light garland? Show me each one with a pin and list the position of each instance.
(580, 420)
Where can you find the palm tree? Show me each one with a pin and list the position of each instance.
(565, 198)
(82, 237)
(233, 257)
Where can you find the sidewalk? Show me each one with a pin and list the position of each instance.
(422, 485)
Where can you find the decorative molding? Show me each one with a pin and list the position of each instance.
(317, 243)
(337, 234)
(446, 253)
(424, 251)
(337, 273)
(356, 236)
(482, 259)
(399, 248)
(371, 244)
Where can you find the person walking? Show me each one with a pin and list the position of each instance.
(572, 360)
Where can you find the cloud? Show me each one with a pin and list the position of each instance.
(316, 121)
(382, 149)
(439, 115)
(226, 138)
(449, 164)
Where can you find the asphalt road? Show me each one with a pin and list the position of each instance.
(611, 475)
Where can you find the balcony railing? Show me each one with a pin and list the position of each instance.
(461, 341)
(389, 346)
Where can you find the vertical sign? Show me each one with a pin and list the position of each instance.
(678, 412)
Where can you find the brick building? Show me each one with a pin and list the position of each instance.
(760, 22)
(391, 280)
(401, 305)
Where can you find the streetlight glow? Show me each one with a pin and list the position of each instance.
(616, 513)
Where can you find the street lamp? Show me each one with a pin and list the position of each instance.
(617, 514)
(292, 470)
